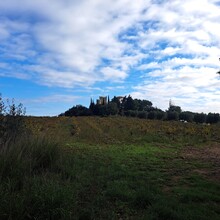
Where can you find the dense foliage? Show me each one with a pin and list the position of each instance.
(129, 107)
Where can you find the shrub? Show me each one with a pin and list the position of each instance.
(212, 118)
(133, 113)
(130, 113)
(200, 118)
(160, 115)
(142, 114)
(11, 121)
(186, 116)
(152, 115)
(127, 113)
(172, 116)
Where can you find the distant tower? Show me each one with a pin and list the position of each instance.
(171, 103)
(219, 70)
(102, 100)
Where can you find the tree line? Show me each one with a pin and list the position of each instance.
(129, 107)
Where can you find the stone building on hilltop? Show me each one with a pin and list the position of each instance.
(102, 100)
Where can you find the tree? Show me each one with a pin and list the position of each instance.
(116, 100)
(200, 118)
(11, 121)
(142, 114)
(2, 106)
(186, 116)
(78, 110)
(143, 105)
(11, 109)
(130, 113)
(152, 115)
(97, 110)
(129, 104)
(112, 109)
(103, 110)
(92, 105)
(160, 114)
(212, 118)
(172, 115)
(174, 108)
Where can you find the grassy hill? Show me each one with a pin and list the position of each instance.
(103, 130)
(111, 168)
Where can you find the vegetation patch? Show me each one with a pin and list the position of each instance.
(110, 168)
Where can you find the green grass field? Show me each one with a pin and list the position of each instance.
(112, 168)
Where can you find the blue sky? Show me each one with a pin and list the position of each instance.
(58, 53)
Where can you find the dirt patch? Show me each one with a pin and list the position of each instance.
(207, 155)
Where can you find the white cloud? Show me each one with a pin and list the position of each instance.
(73, 36)
(194, 89)
(113, 74)
(173, 46)
(183, 67)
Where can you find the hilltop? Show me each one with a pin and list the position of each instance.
(137, 108)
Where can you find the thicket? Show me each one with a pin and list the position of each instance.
(130, 107)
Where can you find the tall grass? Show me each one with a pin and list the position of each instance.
(24, 166)
(25, 157)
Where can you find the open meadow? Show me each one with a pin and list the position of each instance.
(111, 168)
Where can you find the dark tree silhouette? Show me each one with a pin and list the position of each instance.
(12, 125)
(129, 107)
(200, 118)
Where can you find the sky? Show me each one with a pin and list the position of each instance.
(55, 54)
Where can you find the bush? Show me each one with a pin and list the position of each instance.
(152, 115)
(186, 116)
(161, 115)
(212, 118)
(200, 118)
(112, 109)
(172, 116)
(142, 114)
(78, 110)
(133, 113)
(11, 121)
(130, 113)
(127, 113)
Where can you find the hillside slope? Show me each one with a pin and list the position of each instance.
(111, 168)
(121, 129)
